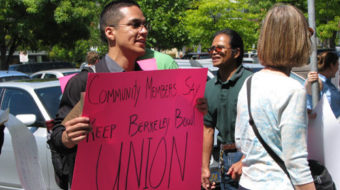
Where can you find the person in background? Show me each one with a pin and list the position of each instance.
(278, 106)
(221, 93)
(164, 61)
(328, 65)
(92, 59)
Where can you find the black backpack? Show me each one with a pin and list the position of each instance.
(59, 165)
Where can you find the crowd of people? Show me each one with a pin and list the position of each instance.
(278, 103)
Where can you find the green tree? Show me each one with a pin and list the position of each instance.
(167, 30)
(327, 16)
(207, 17)
(41, 24)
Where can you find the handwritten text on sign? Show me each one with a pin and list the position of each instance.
(147, 133)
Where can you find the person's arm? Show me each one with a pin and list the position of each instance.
(202, 105)
(75, 131)
(308, 186)
(293, 128)
(208, 140)
(70, 98)
(235, 170)
(312, 77)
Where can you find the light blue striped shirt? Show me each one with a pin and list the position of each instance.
(332, 94)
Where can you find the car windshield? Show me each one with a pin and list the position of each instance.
(50, 97)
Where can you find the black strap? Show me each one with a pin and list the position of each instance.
(276, 158)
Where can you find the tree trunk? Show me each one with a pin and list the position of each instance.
(3, 57)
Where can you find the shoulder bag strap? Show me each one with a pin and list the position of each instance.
(276, 158)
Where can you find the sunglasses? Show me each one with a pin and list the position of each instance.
(136, 24)
(218, 49)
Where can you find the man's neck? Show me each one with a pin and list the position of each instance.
(226, 72)
(327, 73)
(127, 62)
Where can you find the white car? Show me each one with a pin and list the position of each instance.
(54, 73)
(39, 101)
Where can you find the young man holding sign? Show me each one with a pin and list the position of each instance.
(123, 27)
(227, 53)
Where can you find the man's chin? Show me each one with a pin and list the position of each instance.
(216, 64)
(141, 51)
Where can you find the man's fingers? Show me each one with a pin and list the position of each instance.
(77, 120)
(78, 139)
(78, 127)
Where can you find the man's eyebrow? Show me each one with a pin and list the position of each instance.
(137, 20)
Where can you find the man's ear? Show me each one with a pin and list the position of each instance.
(110, 33)
(236, 53)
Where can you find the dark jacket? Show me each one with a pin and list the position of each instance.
(64, 164)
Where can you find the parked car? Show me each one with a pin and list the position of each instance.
(54, 73)
(30, 68)
(189, 64)
(253, 60)
(192, 55)
(39, 102)
(12, 75)
(258, 67)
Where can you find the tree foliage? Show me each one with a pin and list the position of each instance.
(67, 29)
(207, 17)
(327, 16)
(41, 24)
(167, 30)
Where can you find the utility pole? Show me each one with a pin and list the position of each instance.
(313, 58)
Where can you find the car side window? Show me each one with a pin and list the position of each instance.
(50, 76)
(21, 102)
(38, 76)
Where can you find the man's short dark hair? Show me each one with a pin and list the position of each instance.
(235, 42)
(111, 14)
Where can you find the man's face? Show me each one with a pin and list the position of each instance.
(222, 53)
(131, 32)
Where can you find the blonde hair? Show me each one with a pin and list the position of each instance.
(284, 39)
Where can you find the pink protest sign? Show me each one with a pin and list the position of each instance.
(63, 81)
(148, 64)
(147, 133)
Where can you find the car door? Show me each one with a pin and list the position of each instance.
(19, 101)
